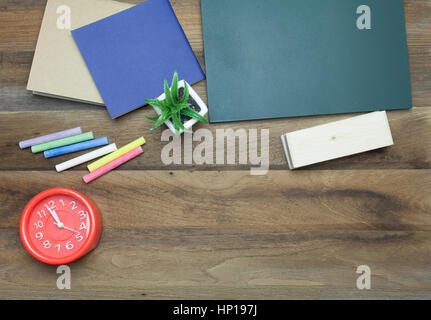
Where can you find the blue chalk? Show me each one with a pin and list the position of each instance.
(76, 147)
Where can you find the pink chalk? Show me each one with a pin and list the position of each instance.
(112, 165)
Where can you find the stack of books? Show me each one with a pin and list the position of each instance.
(110, 53)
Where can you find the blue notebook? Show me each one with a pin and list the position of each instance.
(131, 53)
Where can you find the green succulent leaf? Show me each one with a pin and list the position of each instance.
(156, 103)
(153, 118)
(182, 126)
(169, 99)
(177, 123)
(186, 94)
(174, 87)
(193, 114)
(161, 119)
(169, 107)
(183, 106)
(172, 107)
(177, 120)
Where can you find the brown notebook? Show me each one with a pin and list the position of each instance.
(58, 69)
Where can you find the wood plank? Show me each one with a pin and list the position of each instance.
(411, 130)
(420, 73)
(230, 235)
(20, 23)
(418, 22)
(203, 264)
(305, 200)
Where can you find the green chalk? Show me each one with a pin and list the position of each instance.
(62, 142)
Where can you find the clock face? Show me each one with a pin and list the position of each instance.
(58, 240)
(60, 225)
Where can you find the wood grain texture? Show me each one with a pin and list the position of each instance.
(229, 264)
(208, 232)
(284, 235)
(306, 200)
(410, 129)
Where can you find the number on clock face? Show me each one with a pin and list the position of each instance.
(59, 226)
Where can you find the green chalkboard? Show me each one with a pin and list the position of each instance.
(287, 58)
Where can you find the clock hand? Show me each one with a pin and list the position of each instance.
(64, 227)
(55, 216)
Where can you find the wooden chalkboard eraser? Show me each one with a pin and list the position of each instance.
(337, 139)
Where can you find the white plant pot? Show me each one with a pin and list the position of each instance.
(189, 124)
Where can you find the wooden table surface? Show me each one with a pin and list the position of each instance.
(202, 232)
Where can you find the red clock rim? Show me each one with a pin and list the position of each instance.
(45, 194)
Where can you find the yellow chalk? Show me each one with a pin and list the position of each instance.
(116, 154)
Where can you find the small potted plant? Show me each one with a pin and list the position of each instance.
(179, 107)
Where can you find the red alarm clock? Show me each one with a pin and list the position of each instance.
(60, 225)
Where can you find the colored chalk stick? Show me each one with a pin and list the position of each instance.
(129, 147)
(86, 157)
(76, 147)
(62, 142)
(50, 137)
(113, 164)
